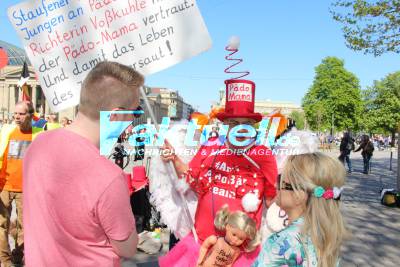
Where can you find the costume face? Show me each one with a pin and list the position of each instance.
(234, 236)
(232, 122)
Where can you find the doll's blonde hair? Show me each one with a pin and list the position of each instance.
(323, 221)
(240, 220)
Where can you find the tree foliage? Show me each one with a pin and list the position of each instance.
(382, 105)
(335, 95)
(370, 26)
(299, 118)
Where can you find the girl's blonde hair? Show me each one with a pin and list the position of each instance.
(240, 220)
(322, 217)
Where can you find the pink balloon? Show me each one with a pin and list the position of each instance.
(3, 58)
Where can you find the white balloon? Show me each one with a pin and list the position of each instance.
(234, 42)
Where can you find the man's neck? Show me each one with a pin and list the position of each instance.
(86, 128)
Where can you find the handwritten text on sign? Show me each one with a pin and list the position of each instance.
(240, 92)
(65, 39)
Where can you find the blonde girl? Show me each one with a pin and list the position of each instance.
(309, 191)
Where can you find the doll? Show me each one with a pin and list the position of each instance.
(240, 234)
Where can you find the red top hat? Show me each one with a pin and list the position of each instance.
(240, 95)
(139, 179)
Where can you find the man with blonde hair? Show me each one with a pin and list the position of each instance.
(77, 210)
(15, 140)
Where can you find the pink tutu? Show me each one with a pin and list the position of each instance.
(183, 254)
(186, 252)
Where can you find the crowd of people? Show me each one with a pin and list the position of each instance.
(51, 118)
(347, 145)
(76, 207)
(328, 142)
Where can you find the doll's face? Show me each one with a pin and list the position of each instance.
(234, 236)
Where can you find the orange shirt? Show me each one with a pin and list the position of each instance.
(11, 171)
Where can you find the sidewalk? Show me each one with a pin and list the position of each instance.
(144, 260)
(375, 229)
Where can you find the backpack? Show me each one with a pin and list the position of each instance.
(350, 145)
(369, 148)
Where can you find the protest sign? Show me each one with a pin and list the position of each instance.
(65, 39)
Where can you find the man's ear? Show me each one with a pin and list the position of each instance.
(113, 115)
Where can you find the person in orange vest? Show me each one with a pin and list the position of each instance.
(15, 141)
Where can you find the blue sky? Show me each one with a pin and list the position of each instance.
(282, 41)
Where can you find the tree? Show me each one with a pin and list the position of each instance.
(367, 124)
(299, 118)
(334, 99)
(382, 105)
(371, 26)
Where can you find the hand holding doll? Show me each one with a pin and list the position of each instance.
(240, 235)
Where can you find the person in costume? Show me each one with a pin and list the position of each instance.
(309, 191)
(242, 176)
(240, 235)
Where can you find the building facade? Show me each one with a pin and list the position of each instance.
(164, 102)
(178, 109)
(160, 109)
(187, 110)
(10, 92)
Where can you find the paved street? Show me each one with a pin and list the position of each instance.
(375, 229)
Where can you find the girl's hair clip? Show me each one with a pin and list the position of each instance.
(330, 193)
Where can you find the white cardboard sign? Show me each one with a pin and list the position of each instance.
(65, 39)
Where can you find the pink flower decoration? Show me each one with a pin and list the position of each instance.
(328, 194)
(299, 259)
